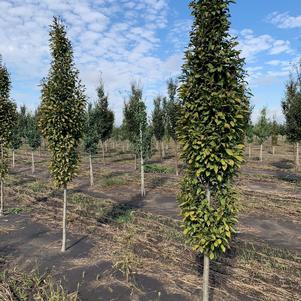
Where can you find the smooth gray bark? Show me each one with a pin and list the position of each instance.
(142, 164)
(32, 163)
(260, 155)
(91, 171)
(64, 220)
(13, 158)
(206, 264)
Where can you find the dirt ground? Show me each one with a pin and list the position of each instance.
(123, 247)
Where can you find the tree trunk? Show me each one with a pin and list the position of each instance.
(127, 146)
(135, 162)
(260, 155)
(250, 150)
(64, 220)
(32, 163)
(91, 171)
(160, 151)
(163, 149)
(13, 158)
(176, 157)
(1, 197)
(123, 149)
(206, 263)
(103, 153)
(142, 164)
(273, 150)
(297, 156)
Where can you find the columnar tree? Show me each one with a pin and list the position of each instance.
(7, 121)
(158, 124)
(104, 117)
(211, 128)
(33, 138)
(61, 115)
(135, 121)
(291, 106)
(262, 129)
(91, 138)
(172, 113)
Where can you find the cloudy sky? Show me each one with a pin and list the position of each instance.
(143, 40)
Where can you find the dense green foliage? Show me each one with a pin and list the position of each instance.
(172, 109)
(135, 119)
(33, 133)
(291, 106)
(211, 128)
(103, 117)
(158, 119)
(262, 128)
(61, 116)
(7, 118)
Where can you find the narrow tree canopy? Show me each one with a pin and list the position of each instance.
(262, 128)
(135, 118)
(61, 117)
(8, 117)
(211, 127)
(104, 117)
(158, 119)
(291, 106)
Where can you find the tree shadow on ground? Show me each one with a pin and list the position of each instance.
(284, 164)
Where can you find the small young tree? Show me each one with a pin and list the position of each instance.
(104, 117)
(7, 121)
(33, 138)
(291, 106)
(158, 124)
(61, 116)
(213, 119)
(262, 129)
(91, 139)
(172, 113)
(135, 121)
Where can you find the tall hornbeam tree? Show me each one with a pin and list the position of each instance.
(104, 117)
(211, 129)
(135, 122)
(61, 115)
(8, 119)
(291, 106)
(172, 114)
(262, 129)
(158, 124)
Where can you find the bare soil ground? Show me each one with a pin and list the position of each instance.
(122, 247)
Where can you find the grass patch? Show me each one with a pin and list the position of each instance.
(113, 180)
(158, 168)
(37, 186)
(17, 210)
(15, 285)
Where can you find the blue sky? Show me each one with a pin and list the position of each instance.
(143, 40)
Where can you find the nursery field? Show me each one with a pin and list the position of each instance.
(124, 247)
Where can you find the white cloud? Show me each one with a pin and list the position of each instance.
(118, 39)
(284, 20)
(252, 45)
